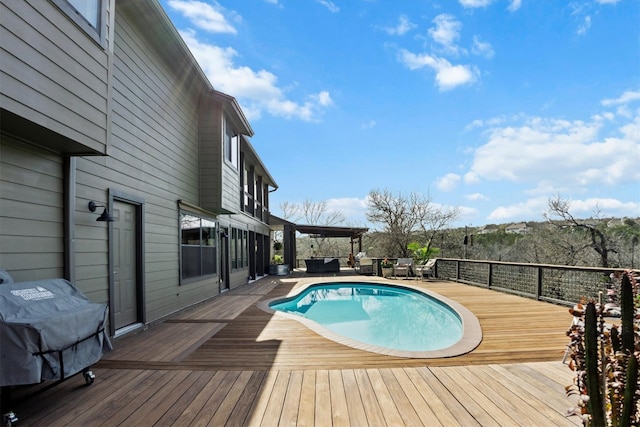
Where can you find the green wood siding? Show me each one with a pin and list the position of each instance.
(53, 74)
(153, 156)
(31, 213)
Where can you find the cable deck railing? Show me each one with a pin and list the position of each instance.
(559, 284)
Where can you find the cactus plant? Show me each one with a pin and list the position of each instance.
(628, 313)
(606, 362)
(592, 365)
(630, 398)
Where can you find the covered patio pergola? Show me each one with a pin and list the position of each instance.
(289, 229)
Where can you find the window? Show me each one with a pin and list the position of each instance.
(245, 248)
(238, 248)
(88, 15)
(198, 247)
(230, 145)
(89, 9)
(234, 248)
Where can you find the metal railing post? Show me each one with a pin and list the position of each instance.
(538, 283)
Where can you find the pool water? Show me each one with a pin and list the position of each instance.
(381, 315)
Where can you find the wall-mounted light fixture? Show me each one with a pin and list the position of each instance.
(105, 214)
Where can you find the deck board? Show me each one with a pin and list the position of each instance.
(414, 398)
(339, 410)
(370, 405)
(355, 405)
(322, 407)
(226, 362)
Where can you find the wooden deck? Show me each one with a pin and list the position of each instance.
(226, 362)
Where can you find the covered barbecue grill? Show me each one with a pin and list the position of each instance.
(48, 331)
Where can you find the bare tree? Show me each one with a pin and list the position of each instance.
(550, 244)
(433, 218)
(402, 216)
(315, 213)
(597, 240)
(290, 211)
(396, 215)
(318, 213)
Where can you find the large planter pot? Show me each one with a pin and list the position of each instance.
(278, 269)
(387, 271)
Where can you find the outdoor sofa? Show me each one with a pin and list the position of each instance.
(322, 265)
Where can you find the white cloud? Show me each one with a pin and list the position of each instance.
(552, 153)
(531, 208)
(492, 122)
(445, 35)
(513, 6)
(537, 206)
(368, 125)
(323, 99)
(528, 209)
(448, 76)
(331, 7)
(404, 26)
(448, 182)
(466, 214)
(605, 207)
(482, 48)
(446, 32)
(471, 178)
(584, 26)
(257, 91)
(475, 3)
(476, 197)
(625, 98)
(584, 13)
(353, 209)
(206, 16)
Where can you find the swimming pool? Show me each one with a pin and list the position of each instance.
(389, 319)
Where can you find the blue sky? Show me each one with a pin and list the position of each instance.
(490, 106)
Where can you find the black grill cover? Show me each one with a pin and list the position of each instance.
(48, 330)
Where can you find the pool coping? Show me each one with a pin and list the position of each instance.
(471, 329)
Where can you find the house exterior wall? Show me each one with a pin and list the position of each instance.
(31, 213)
(55, 76)
(219, 178)
(155, 138)
(153, 157)
(210, 161)
(230, 188)
(239, 276)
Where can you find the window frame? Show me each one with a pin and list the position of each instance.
(97, 33)
(239, 248)
(205, 245)
(230, 145)
(245, 248)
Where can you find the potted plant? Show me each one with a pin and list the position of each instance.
(387, 268)
(277, 266)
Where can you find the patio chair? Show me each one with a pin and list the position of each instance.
(403, 267)
(426, 269)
